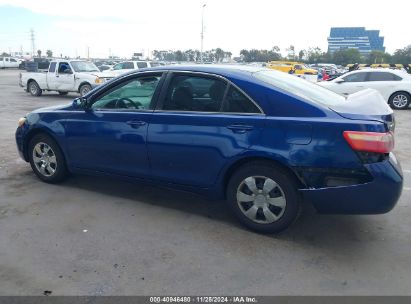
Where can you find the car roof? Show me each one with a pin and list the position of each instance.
(229, 71)
(219, 69)
(373, 70)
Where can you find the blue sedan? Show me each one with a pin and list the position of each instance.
(263, 140)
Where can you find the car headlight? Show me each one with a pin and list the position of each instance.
(22, 121)
(99, 80)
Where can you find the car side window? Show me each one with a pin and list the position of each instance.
(133, 94)
(357, 77)
(52, 67)
(141, 65)
(194, 93)
(118, 66)
(128, 65)
(383, 76)
(64, 67)
(237, 102)
(13, 60)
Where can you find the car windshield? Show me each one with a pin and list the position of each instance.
(84, 66)
(300, 87)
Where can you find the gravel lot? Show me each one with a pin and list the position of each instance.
(98, 236)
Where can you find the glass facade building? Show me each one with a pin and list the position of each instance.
(358, 38)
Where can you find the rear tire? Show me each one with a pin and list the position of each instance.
(264, 197)
(400, 100)
(46, 159)
(34, 88)
(84, 89)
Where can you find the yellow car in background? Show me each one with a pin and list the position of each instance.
(291, 67)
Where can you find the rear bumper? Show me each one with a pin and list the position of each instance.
(378, 196)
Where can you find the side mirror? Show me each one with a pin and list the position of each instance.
(340, 81)
(79, 103)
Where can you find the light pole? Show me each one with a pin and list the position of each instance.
(202, 33)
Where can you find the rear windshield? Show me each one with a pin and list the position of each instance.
(300, 87)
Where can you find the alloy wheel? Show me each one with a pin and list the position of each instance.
(44, 159)
(400, 101)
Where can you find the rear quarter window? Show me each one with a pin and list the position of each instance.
(300, 87)
(383, 76)
(141, 65)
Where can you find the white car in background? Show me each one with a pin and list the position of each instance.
(394, 85)
(63, 76)
(9, 62)
(127, 66)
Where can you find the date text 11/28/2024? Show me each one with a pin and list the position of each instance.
(203, 299)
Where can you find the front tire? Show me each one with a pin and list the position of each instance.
(34, 89)
(264, 197)
(400, 100)
(46, 159)
(84, 89)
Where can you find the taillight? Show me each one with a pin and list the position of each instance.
(370, 141)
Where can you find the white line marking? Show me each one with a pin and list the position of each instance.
(407, 171)
(407, 189)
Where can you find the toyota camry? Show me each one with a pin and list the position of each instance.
(263, 140)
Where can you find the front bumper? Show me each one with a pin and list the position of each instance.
(20, 141)
(375, 197)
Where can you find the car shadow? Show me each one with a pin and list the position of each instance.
(331, 232)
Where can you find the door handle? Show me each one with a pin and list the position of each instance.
(239, 128)
(136, 123)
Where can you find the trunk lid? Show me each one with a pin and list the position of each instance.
(367, 104)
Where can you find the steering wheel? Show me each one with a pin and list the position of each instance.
(120, 103)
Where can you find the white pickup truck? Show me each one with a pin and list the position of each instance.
(64, 76)
(9, 62)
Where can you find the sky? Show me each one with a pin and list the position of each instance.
(124, 27)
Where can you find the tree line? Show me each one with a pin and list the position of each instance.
(214, 55)
(310, 55)
(316, 55)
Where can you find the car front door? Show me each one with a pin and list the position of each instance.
(110, 136)
(62, 79)
(352, 83)
(193, 134)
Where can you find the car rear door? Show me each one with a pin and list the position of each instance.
(111, 135)
(193, 135)
(383, 82)
(352, 83)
